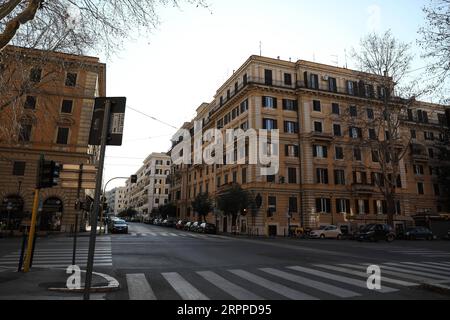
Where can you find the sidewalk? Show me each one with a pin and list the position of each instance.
(35, 285)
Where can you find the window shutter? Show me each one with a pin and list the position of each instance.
(295, 105)
(338, 206)
(275, 103)
(347, 203)
(328, 202)
(305, 74)
(355, 88)
(366, 206)
(286, 150)
(264, 101)
(318, 205)
(325, 171)
(317, 175)
(325, 152)
(425, 117)
(275, 124)
(284, 104)
(285, 126)
(296, 151)
(384, 206)
(264, 123)
(315, 151)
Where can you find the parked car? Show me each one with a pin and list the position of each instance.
(194, 226)
(419, 233)
(118, 226)
(330, 231)
(376, 232)
(207, 228)
(170, 223)
(180, 224)
(187, 226)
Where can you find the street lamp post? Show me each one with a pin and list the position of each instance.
(9, 208)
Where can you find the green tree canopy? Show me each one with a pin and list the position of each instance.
(202, 204)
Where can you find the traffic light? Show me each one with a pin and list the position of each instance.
(133, 178)
(48, 174)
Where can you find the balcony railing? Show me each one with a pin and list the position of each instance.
(363, 188)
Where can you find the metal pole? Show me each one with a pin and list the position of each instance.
(80, 180)
(32, 250)
(32, 231)
(98, 190)
(22, 250)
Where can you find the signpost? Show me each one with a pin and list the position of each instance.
(106, 129)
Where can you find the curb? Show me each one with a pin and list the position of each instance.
(438, 288)
(113, 285)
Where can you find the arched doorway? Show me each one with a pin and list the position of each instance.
(51, 215)
(11, 212)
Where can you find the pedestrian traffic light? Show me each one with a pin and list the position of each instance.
(133, 178)
(48, 174)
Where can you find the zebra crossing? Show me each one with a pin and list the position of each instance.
(428, 253)
(312, 282)
(58, 254)
(177, 235)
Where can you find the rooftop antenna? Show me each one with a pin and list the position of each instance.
(260, 48)
(314, 57)
(346, 66)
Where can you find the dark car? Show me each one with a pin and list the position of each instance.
(376, 232)
(419, 233)
(118, 226)
(207, 228)
(170, 223)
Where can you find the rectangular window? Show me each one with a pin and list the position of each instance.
(420, 189)
(355, 133)
(351, 87)
(272, 201)
(67, 106)
(375, 156)
(292, 175)
(337, 131)
(357, 154)
(359, 177)
(244, 125)
(36, 75)
(19, 168)
(318, 127)
(339, 177)
(271, 178)
(244, 175)
(431, 153)
(418, 170)
(234, 177)
(363, 206)
(25, 133)
(372, 134)
(292, 151)
(268, 77)
(314, 81)
(293, 206)
(288, 79)
(413, 134)
(370, 114)
(63, 136)
(270, 124)
(269, 102)
(335, 108)
(71, 79)
(428, 135)
(320, 152)
(342, 206)
(30, 103)
(289, 104)
(353, 111)
(322, 176)
(339, 152)
(245, 79)
(316, 106)
(323, 205)
(332, 85)
(244, 106)
(290, 127)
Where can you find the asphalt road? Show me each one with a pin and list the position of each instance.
(157, 263)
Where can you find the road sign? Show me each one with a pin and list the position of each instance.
(115, 123)
(70, 175)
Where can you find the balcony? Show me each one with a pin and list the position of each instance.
(321, 136)
(363, 188)
(419, 153)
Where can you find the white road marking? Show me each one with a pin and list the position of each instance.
(139, 288)
(424, 274)
(273, 286)
(429, 265)
(326, 275)
(365, 275)
(233, 290)
(183, 288)
(333, 290)
(428, 270)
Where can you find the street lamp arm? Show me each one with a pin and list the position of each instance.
(110, 180)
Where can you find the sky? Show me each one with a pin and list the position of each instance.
(168, 73)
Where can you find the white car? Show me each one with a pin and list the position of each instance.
(326, 232)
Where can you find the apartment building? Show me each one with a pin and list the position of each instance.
(119, 201)
(152, 187)
(47, 101)
(111, 200)
(326, 174)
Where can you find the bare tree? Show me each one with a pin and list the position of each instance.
(389, 60)
(435, 41)
(77, 25)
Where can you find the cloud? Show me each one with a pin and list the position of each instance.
(374, 19)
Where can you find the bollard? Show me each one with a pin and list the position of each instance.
(22, 251)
